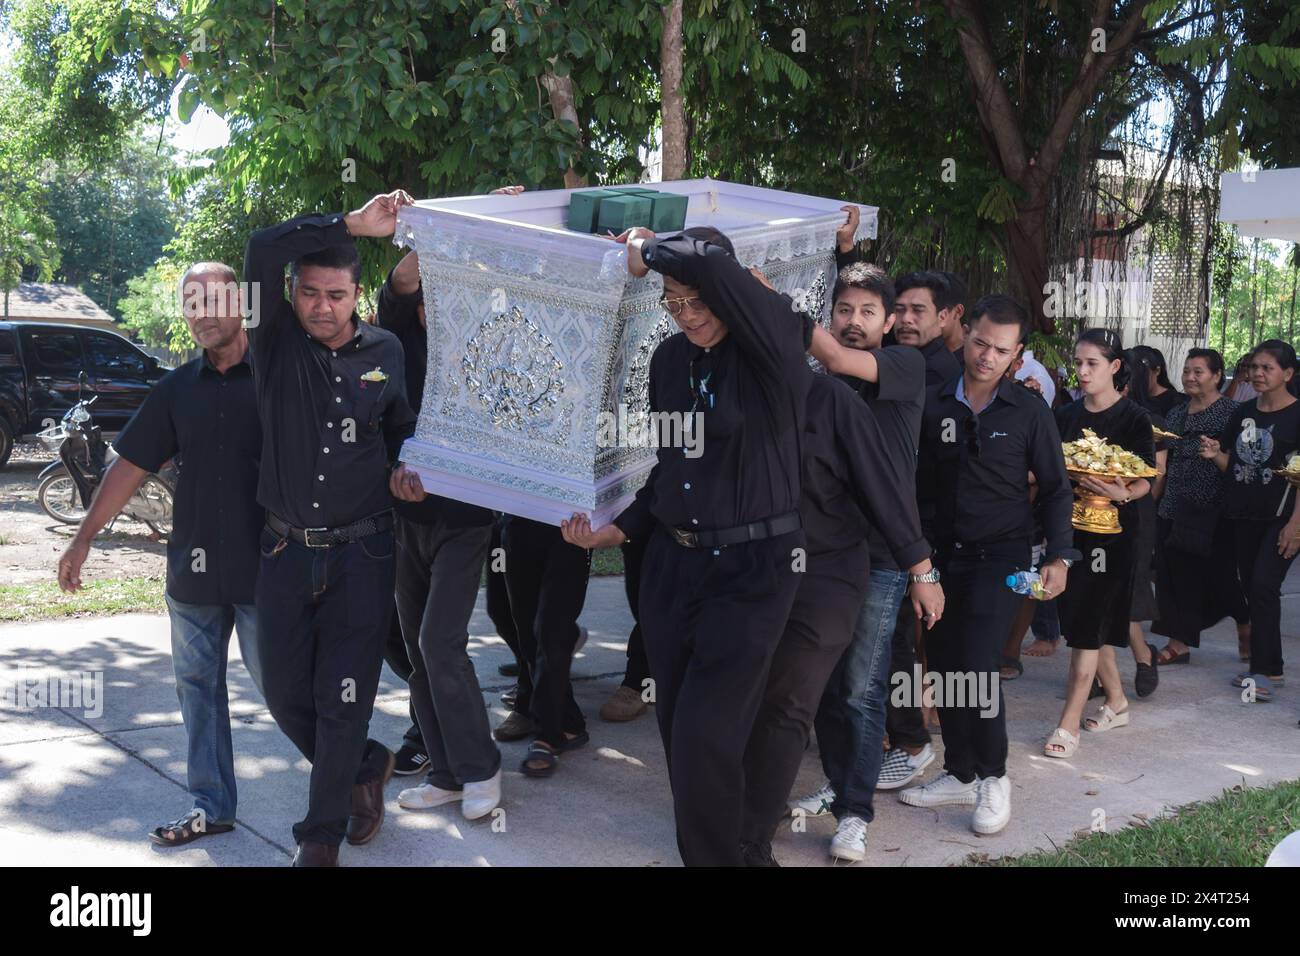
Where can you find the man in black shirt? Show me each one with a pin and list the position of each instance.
(954, 336)
(981, 438)
(723, 528)
(331, 396)
(205, 412)
(441, 548)
(854, 490)
(924, 309)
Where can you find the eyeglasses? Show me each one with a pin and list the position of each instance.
(675, 306)
(972, 429)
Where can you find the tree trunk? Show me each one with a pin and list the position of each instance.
(670, 82)
(560, 91)
(1027, 266)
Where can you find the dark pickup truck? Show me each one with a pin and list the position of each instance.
(40, 369)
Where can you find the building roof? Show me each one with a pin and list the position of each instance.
(55, 302)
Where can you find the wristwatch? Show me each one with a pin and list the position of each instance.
(1068, 562)
(930, 577)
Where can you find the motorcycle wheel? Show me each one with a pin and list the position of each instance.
(159, 497)
(59, 498)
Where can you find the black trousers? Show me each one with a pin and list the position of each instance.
(1195, 592)
(1262, 571)
(438, 570)
(322, 618)
(905, 723)
(818, 631)
(399, 662)
(498, 610)
(712, 621)
(967, 644)
(546, 578)
(638, 668)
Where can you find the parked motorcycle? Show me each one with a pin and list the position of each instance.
(67, 486)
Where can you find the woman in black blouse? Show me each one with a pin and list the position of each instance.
(1095, 609)
(1196, 571)
(1162, 397)
(1261, 437)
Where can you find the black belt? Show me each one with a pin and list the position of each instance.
(723, 537)
(328, 537)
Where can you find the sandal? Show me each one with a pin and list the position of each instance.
(1240, 679)
(1066, 741)
(573, 743)
(539, 752)
(1166, 656)
(1106, 719)
(187, 829)
(1008, 664)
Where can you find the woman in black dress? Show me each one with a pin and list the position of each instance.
(1161, 396)
(1095, 609)
(1196, 570)
(1262, 436)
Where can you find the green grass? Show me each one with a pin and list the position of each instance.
(43, 601)
(606, 561)
(1240, 828)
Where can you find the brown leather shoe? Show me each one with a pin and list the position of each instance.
(311, 853)
(368, 806)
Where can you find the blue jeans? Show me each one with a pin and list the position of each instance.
(200, 638)
(850, 722)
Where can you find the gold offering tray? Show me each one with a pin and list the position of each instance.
(1161, 435)
(1097, 513)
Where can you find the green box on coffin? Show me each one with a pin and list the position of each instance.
(584, 207)
(620, 212)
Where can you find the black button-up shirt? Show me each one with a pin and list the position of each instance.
(751, 457)
(210, 420)
(400, 314)
(852, 482)
(976, 469)
(328, 433)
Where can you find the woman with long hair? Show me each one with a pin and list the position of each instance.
(1196, 571)
(1161, 396)
(1144, 607)
(1095, 609)
(1260, 438)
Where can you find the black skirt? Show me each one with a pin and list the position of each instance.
(1194, 592)
(1144, 607)
(1099, 590)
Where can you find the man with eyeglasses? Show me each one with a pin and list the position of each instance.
(982, 436)
(723, 530)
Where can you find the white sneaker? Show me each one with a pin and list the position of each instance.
(816, 803)
(850, 840)
(481, 798)
(944, 790)
(992, 805)
(899, 768)
(426, 796)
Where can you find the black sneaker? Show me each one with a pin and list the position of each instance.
(1148, 676)
(509, 670)
(410, 761)
(757, 854)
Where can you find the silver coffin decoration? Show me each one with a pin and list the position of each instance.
(535, 331)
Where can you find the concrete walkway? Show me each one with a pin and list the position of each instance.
(85, 790)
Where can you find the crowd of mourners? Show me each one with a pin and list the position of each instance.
(841, 558)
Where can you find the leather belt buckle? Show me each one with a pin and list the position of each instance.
(686, 539)
(308, 532)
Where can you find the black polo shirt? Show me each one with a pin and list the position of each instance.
(975, 468)
(332, 419)
(751, 389)
(400, 315)
(210, 420)
(940, 364)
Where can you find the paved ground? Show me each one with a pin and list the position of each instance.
(83, 790)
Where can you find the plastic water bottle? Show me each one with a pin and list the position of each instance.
(1027, 583)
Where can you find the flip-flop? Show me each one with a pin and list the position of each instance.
(573, 743)
(192, 826)
(1013, 663)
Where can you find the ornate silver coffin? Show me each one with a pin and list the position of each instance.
(537, 335)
